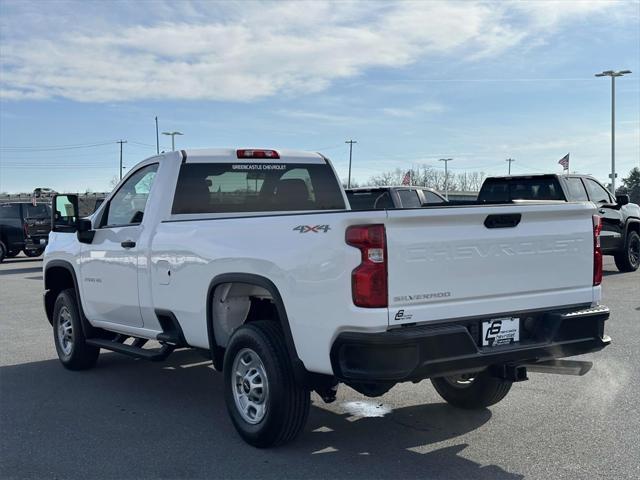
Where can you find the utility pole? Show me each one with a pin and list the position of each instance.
(613, 74)
(510, 160)
(121, 142)
(350, 142)
(157, 138)
(172, 134)
(446, 176)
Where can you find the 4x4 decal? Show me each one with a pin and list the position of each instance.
(312, 228)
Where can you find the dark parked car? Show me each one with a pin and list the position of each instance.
(370, 198)
(620, 219)
(23, 227)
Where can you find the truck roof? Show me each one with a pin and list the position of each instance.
(227, 155)
(385, 187)
(539, 175)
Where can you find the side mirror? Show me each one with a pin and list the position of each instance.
(85, 231)
(64, 213)
(622, 200)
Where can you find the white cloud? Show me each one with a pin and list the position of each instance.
(412, 111)
(247, 51)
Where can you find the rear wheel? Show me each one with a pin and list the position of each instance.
(266, 405)
(472, 391)
(629, 259)
(68, 335)
(12, 253)
(34, 253)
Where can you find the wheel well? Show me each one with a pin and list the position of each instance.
(634, 227)
(249, 298)
(235, 303)
(56, 279)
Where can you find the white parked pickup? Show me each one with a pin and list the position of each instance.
(254, 257)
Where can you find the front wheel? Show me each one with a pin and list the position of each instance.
(472, 391)
(266, 405)
(34, 253)
(3, 252)
(73, 351)
(629, 259)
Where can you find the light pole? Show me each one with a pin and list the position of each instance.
(121, 142)
(510, 160)
(173, 143)
(350, 142)
(446, 176)
(613, 74)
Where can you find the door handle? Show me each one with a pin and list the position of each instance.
(509, 220)
(128, 244)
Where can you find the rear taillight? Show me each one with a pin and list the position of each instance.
(597, 251)
(369, 279)
(25, 228)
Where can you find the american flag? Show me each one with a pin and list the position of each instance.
(406, 180)
(564, 161)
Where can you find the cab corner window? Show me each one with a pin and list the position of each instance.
(128, 204)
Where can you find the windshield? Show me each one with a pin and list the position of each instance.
(369, 199)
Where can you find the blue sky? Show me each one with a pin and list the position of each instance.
(410, 81)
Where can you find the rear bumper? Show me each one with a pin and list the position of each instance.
(415, 353)
(35, 242)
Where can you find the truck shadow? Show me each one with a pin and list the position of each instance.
(133, 419)
(16, 271)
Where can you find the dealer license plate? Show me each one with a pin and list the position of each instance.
(500, 331)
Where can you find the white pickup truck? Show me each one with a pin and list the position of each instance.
(254, 257)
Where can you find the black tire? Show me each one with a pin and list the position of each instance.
(12, 253)
(285, 404)
(3, 252)
(33, 253)
(72, 350)
(483, 391)
(629, 259)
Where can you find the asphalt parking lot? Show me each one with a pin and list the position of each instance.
(133, 419)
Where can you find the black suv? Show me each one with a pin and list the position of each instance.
(23, 227)
(620, 219)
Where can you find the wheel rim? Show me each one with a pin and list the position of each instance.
(65, 331)
(250, 386)
(464, 380)
(634, 251)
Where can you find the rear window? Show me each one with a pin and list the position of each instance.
(506, 190)
(9, 211)
(255, 187)
(370, 200)
(38, 211)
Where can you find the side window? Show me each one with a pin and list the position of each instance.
(9, 211)
(128, 204)
(576, 189)
(409, 198)
(431, 197)
(597, 193)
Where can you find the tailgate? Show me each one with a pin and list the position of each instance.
(444, 263)
(38, 227)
